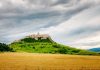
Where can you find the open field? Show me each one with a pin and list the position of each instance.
(29, 61)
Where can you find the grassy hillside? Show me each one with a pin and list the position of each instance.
(45, 46)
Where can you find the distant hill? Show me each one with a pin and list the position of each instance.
(95, 49)
(42, 43)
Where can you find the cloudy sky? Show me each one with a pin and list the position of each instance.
(71, 22)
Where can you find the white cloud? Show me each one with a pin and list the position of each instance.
(67, 21)
(79, 30)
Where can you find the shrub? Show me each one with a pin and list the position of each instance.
(4, 47)
(55, 46)
(62, 50)
(33, 47)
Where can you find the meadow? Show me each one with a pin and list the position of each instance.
(33, 61)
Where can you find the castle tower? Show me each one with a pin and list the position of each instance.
(38, 33)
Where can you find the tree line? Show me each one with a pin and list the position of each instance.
(5, 48)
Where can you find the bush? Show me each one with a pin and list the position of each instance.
(62, 50)
(75, 50)
(4, 47)
(33, 47)
(55, 46)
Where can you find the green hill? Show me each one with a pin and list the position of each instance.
(47, 45)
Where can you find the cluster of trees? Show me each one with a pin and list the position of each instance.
(31, 40)
(5, 48)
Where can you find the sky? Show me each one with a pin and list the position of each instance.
(70, 22)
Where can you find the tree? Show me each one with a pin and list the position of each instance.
(63, 50)
(4, 47)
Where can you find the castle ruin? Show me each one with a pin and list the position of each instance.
(38, 35)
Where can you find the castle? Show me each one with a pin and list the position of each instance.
(41, 36)
(38, 36)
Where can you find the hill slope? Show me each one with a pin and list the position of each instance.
(45, 46)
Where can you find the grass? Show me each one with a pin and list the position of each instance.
(31, 61)
(47, 47)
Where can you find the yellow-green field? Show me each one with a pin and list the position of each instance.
(29, 61)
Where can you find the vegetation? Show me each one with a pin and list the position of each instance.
(4, 47)
(46, 46)
(29, 61)
(31, 40)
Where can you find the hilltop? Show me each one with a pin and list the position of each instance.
(43, 43)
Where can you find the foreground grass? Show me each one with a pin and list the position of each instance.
(30, 61)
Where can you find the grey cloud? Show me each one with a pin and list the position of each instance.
(84, 30)
(10, 10)
(61, 2)
(21, 16)
(90, 44)
(49, 3)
